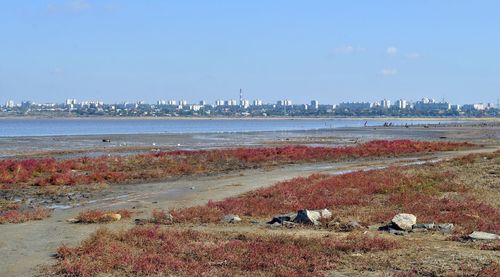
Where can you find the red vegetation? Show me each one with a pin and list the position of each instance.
(99, 216)
(494, 246)
(370, 196)
(17, 216)
(44, 172)
(154, 251)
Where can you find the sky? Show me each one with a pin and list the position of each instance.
(332, 51)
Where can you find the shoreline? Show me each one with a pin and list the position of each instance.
(167, 118)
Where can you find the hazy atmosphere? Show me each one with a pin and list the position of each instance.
(332, 51)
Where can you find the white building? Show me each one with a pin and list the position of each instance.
(315, 104)
(385, 104)
(183, 102)
(354, 106)
(401, 104)
(230, 102)
(172, 102)
(161, 102)
(70, 102)
(429, 105)
(10, 104)
(257, 102)
(245, 103)
(195, 107)
(285, 102)
(219, 103)
(476, 107)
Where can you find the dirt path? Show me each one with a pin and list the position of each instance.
(25, 246)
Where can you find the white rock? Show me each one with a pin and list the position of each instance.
(232, 218)
(404, 221)
(307, 217)
(72, 220)
(483, 236)
(325, 213)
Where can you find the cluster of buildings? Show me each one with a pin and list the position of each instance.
(244, 107)
(423, 105)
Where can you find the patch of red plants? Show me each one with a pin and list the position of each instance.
(155, 251)
(370, 196)
(493, 246)
(45, 172)
(101, 216)
(19, 216)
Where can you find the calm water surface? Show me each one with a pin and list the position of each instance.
(54, 127)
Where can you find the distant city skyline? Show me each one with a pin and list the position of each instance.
(243, 101)
(332, 51)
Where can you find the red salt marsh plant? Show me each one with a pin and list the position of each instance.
(101, 216)
(155, 251)
(20, 216)
(51, 172)
(370, 196)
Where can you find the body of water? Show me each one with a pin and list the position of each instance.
(57, 127)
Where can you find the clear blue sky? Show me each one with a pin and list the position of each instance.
(328, 50)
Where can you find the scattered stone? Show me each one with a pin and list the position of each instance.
(403, 221)
(141, 221)
(445, 227)
(283, 218)
(307, 217)
(232, 218)
(73, 220)
(483, 236)
(302, 217)
(396, 232)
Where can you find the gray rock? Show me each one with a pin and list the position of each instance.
(308, 217)
(396, 232)
(404, 221)
(483, 236)
(283, 218)
(232, 218)
(445, 227)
